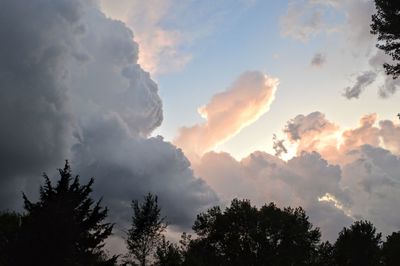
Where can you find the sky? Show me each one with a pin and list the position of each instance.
(201, 102)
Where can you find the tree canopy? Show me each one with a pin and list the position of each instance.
(66, 227)
(391, 250)
(386, 25)
(245, 235)
(358, 245)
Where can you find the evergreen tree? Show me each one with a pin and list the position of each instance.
(65, 227)
(146, 231)
(386, 24)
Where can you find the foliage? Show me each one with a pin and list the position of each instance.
(10, 224)
(358, 245)
(168, 254)
(324, 255)
(386, 24)
(146, 230)
(245, 235)
(64, 227)
(391, 250)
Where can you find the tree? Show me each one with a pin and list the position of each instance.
(64, 227)
(245, 235)
(390, 250)
(146, 230)
(324, 255)
(10, 224)
(358, 245)
(168, 254)
(386, 24)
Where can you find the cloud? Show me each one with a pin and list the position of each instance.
(363, 80)
(127, 168)
(307, 19)
(314, 132)
(34, 109)
(390, 85)
(302, 21)
(72, 88)
(373, 179)
(160, 46)
(263, 178)
(318, 60)
(249, 97)
(338, 175)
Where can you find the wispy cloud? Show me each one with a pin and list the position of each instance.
(318, 60)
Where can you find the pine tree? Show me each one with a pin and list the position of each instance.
(65, 227)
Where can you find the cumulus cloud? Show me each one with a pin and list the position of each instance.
(262, 178)
(34, 109)
(72, 88)
(166, 30)
(314, 132)
(127, 168)
(318, 60)
(249, 97)
(160, 46)
(338, 175)
(363, 80)
(373, 179)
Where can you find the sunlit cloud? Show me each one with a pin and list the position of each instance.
(159, 50)
(249, 97)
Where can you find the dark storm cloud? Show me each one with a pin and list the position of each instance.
(71, 88)
(127, 168)
(37, 37)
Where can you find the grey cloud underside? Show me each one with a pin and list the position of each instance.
(265, 178)
(363, 80)
(71, 88)
(34, 110)
(318, 60)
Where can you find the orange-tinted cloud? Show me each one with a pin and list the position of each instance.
(315, 133)
(249, 97)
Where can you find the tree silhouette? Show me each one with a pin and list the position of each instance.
(391, 250)
(10, 224)
(64, 227)
(324, 255)
(386, 24)
(168, 254)
(146, 230)
(358, 245)
(244, 235)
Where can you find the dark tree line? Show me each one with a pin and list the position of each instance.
(67, 227)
